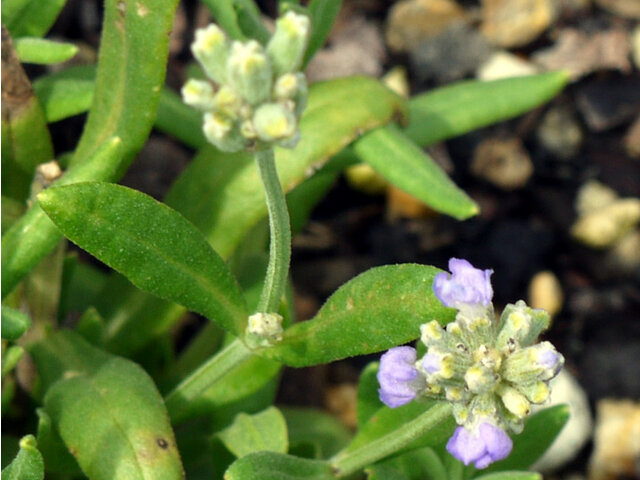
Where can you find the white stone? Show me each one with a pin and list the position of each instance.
(505, 65)
(577, 431)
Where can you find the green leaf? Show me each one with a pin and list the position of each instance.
(368, 398)
(66, 93)
(540, 430)
(323, 14)
(57, 458)
(28, 464)
(42, 51)
(250, 22)
(132, 64)
(14, 323)
(511, 476)
(376, 310)
(32, 237)
(30, 17)
(152, 245)
(25, 138)
(179, 120)
(264, 431)
(457, 109)
(221, 193)
(400, 161)
(10, 358)
(303, 198)
(225, 13)
(278, 466)
(419, 464)
(310, 426)
(107, 411)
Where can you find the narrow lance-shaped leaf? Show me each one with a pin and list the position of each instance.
(510, 475)
(42, 51)
(25, 138)
(66, 93)
(451, 111)
(32, 237)
(131, 70)
(30, 17)
(376, 310)
(276, 466)
(323, 14)
(263, 431)
(14, 323)
(28, 464)
(107, 411)
(400, 161)
(156, 248)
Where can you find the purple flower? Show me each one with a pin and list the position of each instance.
(465, 286)
(398, 377)
(483, 446)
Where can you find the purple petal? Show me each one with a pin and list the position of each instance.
(398, 376)
(466, 285)
(466, 446)
(497, 442)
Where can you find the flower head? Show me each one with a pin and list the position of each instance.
(490, 369)
(256, 94)
(465, 286)
(482, 445)
(398, 377)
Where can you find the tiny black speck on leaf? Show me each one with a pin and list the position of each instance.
(162, 443)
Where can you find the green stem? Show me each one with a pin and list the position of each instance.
(348, 462)
(279, 233)
(179, 400)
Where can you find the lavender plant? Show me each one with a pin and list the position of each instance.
(110, 395)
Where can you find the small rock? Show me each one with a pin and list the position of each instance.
(617, 441)
(396, 80)
(609, 102)
(357, 50)
(545, 292)
(603, 227)
(635, 46)
(504, 65)
(580, 53)
(401, 204)
(365, 179)
(624, 256)
(450, 55)
(342, 400)
(594, 195)
(505, 163)
(514, 23)
(576, 432)
(411, 22)
(632, 139)
(624, 8)
(560, 133)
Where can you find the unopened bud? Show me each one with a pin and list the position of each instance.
(249, 71)
(289, 42)
(211, 48)
(431, 333)
(198, 94)
(537, 392)
(222, 132)
(540, 362)
(480, 379)
(227, 102)
(515, 402)
(522, 324)
(266, 326)
(273, 122)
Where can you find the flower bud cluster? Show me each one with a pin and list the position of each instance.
(490, 370)
(255, 93)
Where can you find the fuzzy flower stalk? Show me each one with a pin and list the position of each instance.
(491, 370)
(254, 94)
